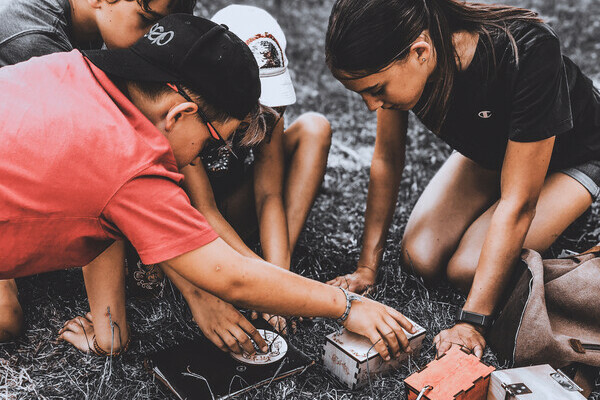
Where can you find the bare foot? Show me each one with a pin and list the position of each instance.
(280, 324)
(361, 281)
(79, 331)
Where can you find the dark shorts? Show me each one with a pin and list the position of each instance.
(588, 174)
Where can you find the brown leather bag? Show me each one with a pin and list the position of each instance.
(552, 316)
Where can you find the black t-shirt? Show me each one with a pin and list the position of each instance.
(542, 95)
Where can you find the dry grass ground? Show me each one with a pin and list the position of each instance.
(36, 366)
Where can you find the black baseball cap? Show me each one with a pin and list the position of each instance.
(196, 52)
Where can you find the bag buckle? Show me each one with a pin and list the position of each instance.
(515, 389)
(567, 383)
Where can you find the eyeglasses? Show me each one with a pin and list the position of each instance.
(214, 134)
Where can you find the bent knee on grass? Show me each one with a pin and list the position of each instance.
(422, 259)
(461, 269)
(314, 127)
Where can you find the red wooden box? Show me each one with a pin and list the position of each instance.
(456, 375)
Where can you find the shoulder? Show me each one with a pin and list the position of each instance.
(524, 42)
(44, 18)
(529, 35)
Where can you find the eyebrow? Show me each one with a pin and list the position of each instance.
(368, 89)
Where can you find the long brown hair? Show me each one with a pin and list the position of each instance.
(366, 36)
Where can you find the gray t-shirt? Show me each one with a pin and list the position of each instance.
(32, 28)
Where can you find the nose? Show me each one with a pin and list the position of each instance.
(373, 103)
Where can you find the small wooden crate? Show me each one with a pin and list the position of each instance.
(540, 382)
(456, 375)
(351, 358)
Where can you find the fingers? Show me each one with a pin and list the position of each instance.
(335, 281)
(403, 342)
(216, 340)
(443, 346)
(254, 315)
(250, 330)
(379, 345)
(478, 351)
(244, 341)
(390, 340)
(402, 320)
(231, 342)
(277, 322)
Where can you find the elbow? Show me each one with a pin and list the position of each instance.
(385, 167)
(234, 286)
(521, 210)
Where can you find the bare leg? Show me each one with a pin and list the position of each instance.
(11, 314)
(456, 196)
(306, 144)
(105, 285)
(561, 202)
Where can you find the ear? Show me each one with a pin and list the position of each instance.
(95, 4)
(422, 48)
(177, 111)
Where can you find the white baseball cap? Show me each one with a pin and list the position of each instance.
(266, 39)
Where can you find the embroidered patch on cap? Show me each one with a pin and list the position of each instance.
(158, 36)
(268, 53)
(485, 114)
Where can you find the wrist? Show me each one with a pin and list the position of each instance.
(349, 298)
(480, 329)
(478, 320)
(366, 268)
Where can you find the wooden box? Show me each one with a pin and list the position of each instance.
(345, 356)
(540, 382)
(456, 375)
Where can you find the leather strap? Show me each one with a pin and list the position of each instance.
(595, 249)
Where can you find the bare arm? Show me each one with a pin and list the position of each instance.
(268, 191)
(523, 174)
(199, 190)
(255, 284)
(384, 184)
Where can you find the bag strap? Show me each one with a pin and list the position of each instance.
(595, 249)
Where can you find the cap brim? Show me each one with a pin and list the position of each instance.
(277, 91)
(127, 64)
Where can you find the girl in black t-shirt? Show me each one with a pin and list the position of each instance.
(491, 82)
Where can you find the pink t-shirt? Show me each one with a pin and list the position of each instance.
(81, 167)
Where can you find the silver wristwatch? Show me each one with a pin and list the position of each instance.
(350, 297)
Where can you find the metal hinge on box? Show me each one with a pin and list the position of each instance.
(517, 389)
(566, 382)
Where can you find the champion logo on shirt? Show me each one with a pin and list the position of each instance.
(485, 114)
(158, 36)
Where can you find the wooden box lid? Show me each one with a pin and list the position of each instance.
(451, 374)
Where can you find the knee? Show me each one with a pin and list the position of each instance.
(461, 269)
(420, 258)
(316, 129)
